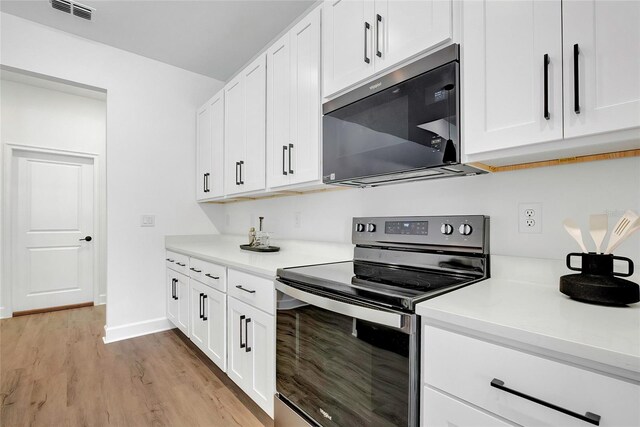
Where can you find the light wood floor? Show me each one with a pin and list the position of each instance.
(55, 370)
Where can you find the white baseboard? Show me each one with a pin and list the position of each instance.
(5, 313)
(102, 299)
(132, 330)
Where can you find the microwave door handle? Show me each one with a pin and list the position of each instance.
(392, 320)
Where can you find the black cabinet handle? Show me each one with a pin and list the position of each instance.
(245, 289)
(197, 271)
(204, 304)
(246, 335)
(242, 345)
(290, 151)
(284, 153)
(207, 175)
(169, 259)
(181, 264)
(211, 277)
(378, 21)
(241, 164)
(174, 288)
(200, 305)
(87, 238)
(366, 28)
(576, 79)
(587, 417)
(547, 116)
(237, 181)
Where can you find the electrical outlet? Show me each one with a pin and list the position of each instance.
(297, 219)
(148, 221)
(530, 217)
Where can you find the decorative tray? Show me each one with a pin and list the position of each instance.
(256, 249)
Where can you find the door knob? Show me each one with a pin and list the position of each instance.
(87, 238)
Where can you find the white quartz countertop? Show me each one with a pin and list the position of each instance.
(225, 249)
(522, 304)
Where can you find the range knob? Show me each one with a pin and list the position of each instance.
(465, 229)
(371, 227)
(446, 229)
(359, 228)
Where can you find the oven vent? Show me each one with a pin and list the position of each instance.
(77, 9)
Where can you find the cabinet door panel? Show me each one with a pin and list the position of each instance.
(255, 88)
(343, 43)
(233, 134)
(183, 303)
(172, 304)
(216, 179)
(504, 44)
(238, 362)
(441, 410)
(215, 310)
(305, 100)
(404, 28)
(608, 37)
(198, 326)
(278, 112)
(262, 358)
(203, 150)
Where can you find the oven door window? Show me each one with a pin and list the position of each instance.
(342, 371)
(409, 126)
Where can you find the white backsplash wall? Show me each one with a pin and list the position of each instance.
(575, 191)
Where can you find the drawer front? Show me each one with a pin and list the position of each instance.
(253, 290)
(439, 410)
(466, 367)
(177, 262)
(210, 274)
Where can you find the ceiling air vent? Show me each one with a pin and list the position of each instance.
(71, 7)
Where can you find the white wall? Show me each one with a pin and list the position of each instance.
(38, 114)
(150, 157)
(565, 191)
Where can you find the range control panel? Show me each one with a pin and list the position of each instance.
(469, 232)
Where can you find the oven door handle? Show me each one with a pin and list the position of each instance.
(381, 317)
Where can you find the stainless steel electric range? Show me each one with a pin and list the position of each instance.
(348, 338)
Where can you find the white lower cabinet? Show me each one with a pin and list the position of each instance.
(251, 352)
(209, 322)
(440, 410)
(178, 300)
(514, 385)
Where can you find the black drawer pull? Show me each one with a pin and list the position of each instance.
(197, 271)
(246, 335)
(181, 264)
(242, 345)
(200, 305)
(211, 277)
(204, 304)
(245, 289)
(589, 417)
(169, 259)
(173, 288)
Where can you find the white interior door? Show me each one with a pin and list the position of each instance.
(53, 199)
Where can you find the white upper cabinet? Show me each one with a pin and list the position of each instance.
(404, 28)
(293, 105)
(602, 43)
(210, 149)
(504, 49)
(361, 38)
(347, 35)
(244, 137)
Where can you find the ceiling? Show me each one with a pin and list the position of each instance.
(210, 37)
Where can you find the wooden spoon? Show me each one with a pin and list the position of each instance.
(574, 231)
(627, 225)
(598, 226)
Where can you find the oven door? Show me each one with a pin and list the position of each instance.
(343, 364)
(408, 127)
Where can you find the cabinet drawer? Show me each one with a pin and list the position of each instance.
(177, 262)
(253, 290)
(439, 410)
(465, 367)
(212, 275)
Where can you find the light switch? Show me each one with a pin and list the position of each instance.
(148, 221)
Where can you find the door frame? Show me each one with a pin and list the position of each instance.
(10, 211)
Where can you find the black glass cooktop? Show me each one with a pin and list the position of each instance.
(378, 284)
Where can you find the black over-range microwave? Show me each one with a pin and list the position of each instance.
(404, 126)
